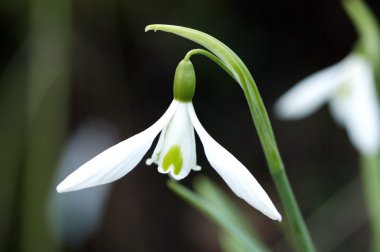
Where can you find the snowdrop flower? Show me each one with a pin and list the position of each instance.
(349, 88)
(175, 153)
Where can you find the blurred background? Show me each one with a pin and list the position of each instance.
(77, 77)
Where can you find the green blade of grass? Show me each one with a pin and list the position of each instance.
(219, 216)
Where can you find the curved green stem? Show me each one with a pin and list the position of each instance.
(366, 26)
(368, 30)
(211, 57)
(260, 117)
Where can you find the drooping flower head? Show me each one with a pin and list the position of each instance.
(349, 89)
(175, 153)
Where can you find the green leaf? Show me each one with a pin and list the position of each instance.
(12, 145)
(230, 244)
(222, 217)
(218, 198)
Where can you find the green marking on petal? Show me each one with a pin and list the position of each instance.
(344, 91)
(173, 157)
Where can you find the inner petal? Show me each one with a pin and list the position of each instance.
(178, 155)
(173, 158)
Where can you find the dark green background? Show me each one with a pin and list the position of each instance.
(123, 75)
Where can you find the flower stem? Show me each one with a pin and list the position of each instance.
(294, 217)
(367, 28)
(227, 59)
(371, 182)
(296, 222)
(277, 169)
(211, 57)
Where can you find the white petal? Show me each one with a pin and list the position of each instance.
(116, 161)
(357, 108)
(311, 93)
(179, 133)
(237, 177)
(160, 144)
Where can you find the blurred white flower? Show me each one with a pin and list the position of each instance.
(349, 88)
(175, 154)
(74, 217)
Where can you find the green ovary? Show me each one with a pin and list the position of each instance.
(173, 157)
